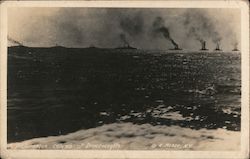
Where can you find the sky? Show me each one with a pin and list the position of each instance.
(144, 28)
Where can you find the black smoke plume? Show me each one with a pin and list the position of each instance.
(194, 32)
(100, 26)
(132, 24)
(159, 27)
(200, 27)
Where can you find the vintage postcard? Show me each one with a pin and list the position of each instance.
(124, 79)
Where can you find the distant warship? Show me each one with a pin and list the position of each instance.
(203, 45)
(218, 47)
(126, 47)
(235, 47)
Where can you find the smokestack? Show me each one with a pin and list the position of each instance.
(203, 45)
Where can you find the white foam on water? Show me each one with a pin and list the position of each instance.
(131, 136)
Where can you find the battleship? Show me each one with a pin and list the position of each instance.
(126, 47)
(218, 47)
(235, 47)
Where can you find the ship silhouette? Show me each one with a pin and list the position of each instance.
(203, 45)
(126, 47)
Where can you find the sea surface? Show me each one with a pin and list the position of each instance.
(55, 91)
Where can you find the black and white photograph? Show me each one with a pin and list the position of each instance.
(124, 78)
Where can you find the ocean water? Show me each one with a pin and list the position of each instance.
(55, 91)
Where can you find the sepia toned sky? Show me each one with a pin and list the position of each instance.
(103, 27)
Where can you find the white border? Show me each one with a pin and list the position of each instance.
(243, 153)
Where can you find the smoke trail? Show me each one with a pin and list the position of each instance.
(200, 26)
(14, 41)
(159, 27)
(132, 24)
(193, 31)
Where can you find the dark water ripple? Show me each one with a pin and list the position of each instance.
(57, 91)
